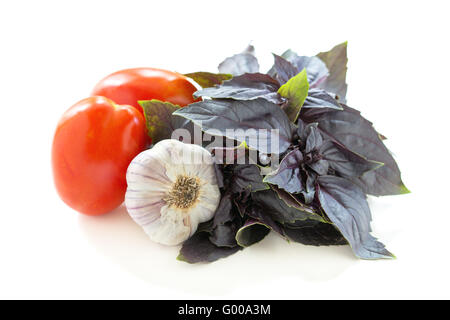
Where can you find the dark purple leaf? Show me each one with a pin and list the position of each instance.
(315, 68)
(248, 86)
(264, 216)
(345, 162)
(318, 98)
(357, 134)
(320, 167)
(315, 233)
(314, 138)
(241, 63)
(310, 190)
(346, 206)
(283, 69)
(288, 176)
(251, 232)
(247, 176)
(269, 125)
(279, 210)
(198, 248)
(292, 201)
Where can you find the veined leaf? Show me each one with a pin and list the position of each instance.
(241, 63)
(269, 129)
(357, 134)
(296, 91)
(346, 206)
(283, 69)
(347, 163)
(279, 210)
(315, 233)
(288, 176)
(248, 86)
(208, 79)
(247, 176)
(318, 98)
(225, 224)
(315, 68)
(158, 118)
(336, 62)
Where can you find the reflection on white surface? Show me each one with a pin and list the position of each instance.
(116, 236)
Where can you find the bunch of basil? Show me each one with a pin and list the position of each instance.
(330, 156)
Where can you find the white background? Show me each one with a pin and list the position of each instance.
(53, 52)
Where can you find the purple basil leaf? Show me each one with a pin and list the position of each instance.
(263, 216)
(336, 62)
(292, 201)
(198, 248)
(318, 98)
(315, 68)
(345, 162)
(279, 210)
(357, 134)
(315, 233)
(223, 212)
(251, 232)
(310, 190)
(314, 139)
(247, 176)
(269, 124)
(288, 176)
(225, 223)
(240, 63)
(248, 86)
(283, 69)
(224, 235)
(320, 167)
(346, 206)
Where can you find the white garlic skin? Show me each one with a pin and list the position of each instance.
(152, 175)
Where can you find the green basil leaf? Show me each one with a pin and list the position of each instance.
(248, 86)
(228, 118)
(336, 62)
(296, 91)
(208, 79)
(346, 206)
(158, 118)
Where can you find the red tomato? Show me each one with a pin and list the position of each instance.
(94, 143)
(131, 85)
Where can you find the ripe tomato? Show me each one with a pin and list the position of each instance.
(131, 85)
(94, 143)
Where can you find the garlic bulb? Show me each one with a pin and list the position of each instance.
(172, 187)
